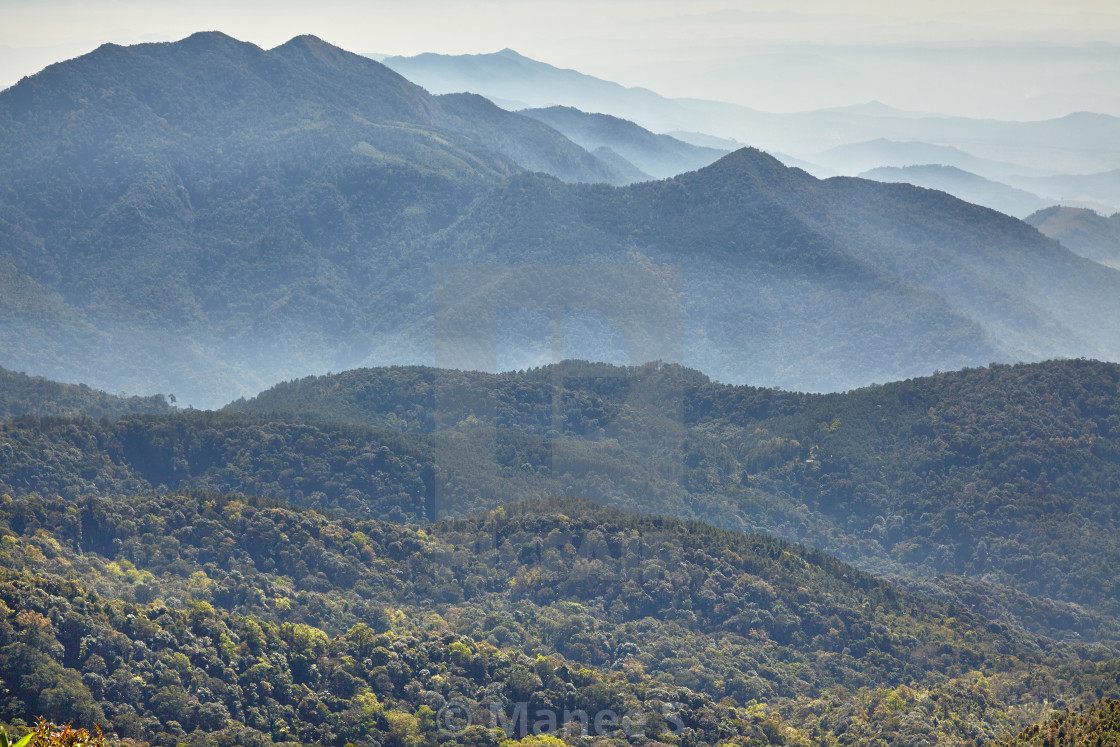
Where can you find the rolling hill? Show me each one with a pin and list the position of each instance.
(221, 615)
(986, 473)
(979, 472)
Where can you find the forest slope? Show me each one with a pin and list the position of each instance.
(1006, 474)
(201, 617)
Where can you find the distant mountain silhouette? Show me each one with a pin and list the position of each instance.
(963, 184)
(854, 158)
(1100, 191)
(660, 156)
(1084, 231)
(1078, 143)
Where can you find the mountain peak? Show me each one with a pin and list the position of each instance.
(306, 41)
(212, 36)
(751, 168)
(752, 160)
(306, 47)
(211, 40)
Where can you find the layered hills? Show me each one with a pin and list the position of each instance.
(205, 217)
(211, 578)
(660, 156)
(1079, 143)
(988, 473)
(408, 555)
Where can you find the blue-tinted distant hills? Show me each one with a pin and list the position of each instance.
(967, 186)
(1079, 143)
(205, 217)
(660, 156)
(855, 158)
(1086, 232)
(1099, 190)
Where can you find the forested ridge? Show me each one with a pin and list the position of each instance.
(1005, 472)
(1002, 474)
(21, 394)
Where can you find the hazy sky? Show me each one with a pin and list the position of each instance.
(954, 56)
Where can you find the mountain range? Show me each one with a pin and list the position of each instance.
(204, 217)
(579, 553)
(1079, 143)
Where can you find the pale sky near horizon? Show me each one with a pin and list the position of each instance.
(974, 57)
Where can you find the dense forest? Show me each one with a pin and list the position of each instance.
(21, 394)
(374, 558)
(1001, 474)
(205, 618)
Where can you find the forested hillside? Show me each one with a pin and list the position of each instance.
(351, 559)
(202, 618)
(1004, 474)
(168, 205)
(21, 394)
